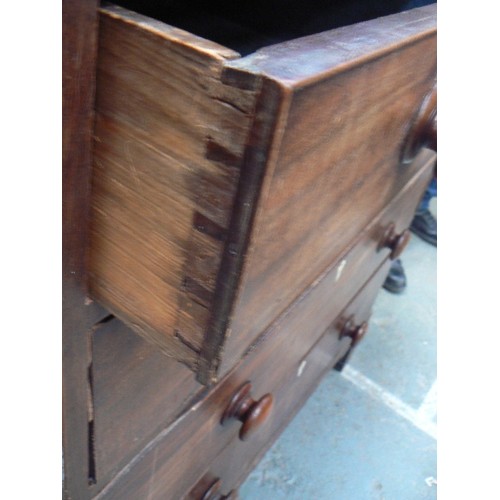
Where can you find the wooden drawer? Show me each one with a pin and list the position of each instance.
(224, 185)
(233, 465)
(179, 455)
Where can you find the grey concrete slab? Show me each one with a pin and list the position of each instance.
(344, 445)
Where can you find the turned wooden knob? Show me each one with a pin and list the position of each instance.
(213, 492)
(423, 129)
(355, 332)
(394, 241)
(245, 409)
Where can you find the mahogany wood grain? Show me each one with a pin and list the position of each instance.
(350, 97)
(169, 141)
(266, 123)
(79, 59)
(347, 273)
(329, 293)
(213, 173)
(78, 320)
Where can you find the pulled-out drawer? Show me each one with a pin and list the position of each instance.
(224, 185)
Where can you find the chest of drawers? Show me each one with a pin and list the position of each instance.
(246, 201)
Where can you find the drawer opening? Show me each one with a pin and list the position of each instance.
(250, 25)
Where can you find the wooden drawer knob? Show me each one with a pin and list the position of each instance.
(423, 130)
(394, 241)
(244, 408)
(213, 492)
(355, 332)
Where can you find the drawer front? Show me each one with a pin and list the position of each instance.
(383, 238)
(178, 457)
(348, 271)
(236, 461)
(347, 99)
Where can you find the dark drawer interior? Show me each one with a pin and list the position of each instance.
(249, 25)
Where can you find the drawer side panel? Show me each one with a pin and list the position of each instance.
(169, 141)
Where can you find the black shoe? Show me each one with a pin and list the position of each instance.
(425, 226)
(396, 279)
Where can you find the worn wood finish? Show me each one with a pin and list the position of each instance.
(315, 310)
(337, 163)
(213, 172)
(137, 392)
(237, 459)
(171, 464)
(168, 146)
(324, 299)
(78, 314)
(238, 205)
(346, 275)
(264, 128)
(77, 323)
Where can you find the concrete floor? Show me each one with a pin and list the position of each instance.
(368, 433)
